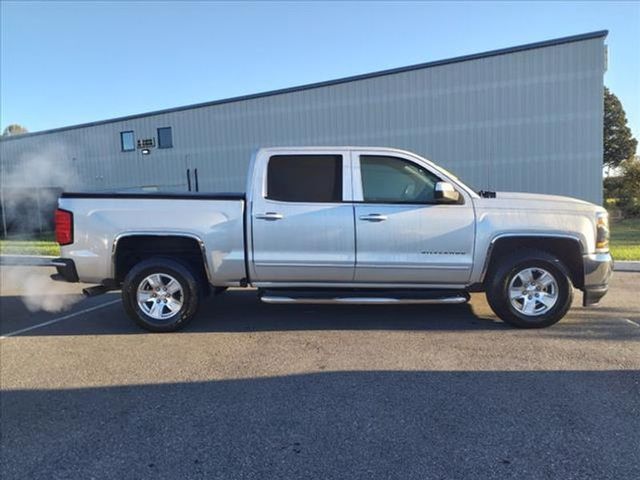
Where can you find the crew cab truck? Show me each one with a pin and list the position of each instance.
(338, 225)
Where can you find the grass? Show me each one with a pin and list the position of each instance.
(625, 243)
(29, 247)
(625, 239)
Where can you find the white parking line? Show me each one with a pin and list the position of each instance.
(631, 322)
(59, 319)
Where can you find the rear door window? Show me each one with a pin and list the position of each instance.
(305, 178)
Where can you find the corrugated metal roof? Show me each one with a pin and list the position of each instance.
(491, 53)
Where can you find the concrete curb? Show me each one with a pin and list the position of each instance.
(26, 261)
(626, 266)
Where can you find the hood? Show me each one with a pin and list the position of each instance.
(518, 200)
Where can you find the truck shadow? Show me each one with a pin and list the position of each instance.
(242, 311)
(239, 311)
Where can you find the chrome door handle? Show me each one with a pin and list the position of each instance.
(373, 217)
(270, 216)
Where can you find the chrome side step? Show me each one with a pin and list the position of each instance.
(365, 300)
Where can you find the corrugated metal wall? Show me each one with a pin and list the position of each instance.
(528, 121)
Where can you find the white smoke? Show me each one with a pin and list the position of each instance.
(30, 186)
(50, 166)
(29, 189)
(37, 290)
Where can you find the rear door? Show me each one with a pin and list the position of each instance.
(403, 235)
(302, 221)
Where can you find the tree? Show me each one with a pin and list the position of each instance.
(629, 199)
(14, 129)
(623, 189)
(619, 144)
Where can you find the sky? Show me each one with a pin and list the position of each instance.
(64, 63)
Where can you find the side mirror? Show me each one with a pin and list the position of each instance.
(445, 193)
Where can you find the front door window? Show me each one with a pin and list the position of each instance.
(394, 180)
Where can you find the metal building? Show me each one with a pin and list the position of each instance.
(527, 118)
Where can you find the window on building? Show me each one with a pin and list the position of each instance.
(395, 180)
(165, 137)
(127, 141)
(305, 178)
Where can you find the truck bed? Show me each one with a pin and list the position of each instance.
(101, 220)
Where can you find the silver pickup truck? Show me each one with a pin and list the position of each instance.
(345, 225)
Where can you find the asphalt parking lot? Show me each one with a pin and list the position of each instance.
(250, 390)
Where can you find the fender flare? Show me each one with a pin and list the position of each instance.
(140, 233)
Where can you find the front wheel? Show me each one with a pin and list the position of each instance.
(161, 295)
(530, 289)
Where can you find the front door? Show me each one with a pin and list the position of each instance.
(302, 229)
(402, 234)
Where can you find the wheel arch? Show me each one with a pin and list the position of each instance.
(181, 245)
(567, 248)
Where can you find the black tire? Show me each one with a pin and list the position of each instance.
(189, 297)
(499, 280)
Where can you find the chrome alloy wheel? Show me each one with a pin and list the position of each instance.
(533, 291)
(160, 296)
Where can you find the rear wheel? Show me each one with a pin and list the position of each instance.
(530, 289)
(161, 295)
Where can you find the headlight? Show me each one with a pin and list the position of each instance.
(602, 232)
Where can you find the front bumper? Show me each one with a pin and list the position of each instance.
(598, 268)
(66, 270)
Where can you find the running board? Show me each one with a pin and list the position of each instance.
(353, 298)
